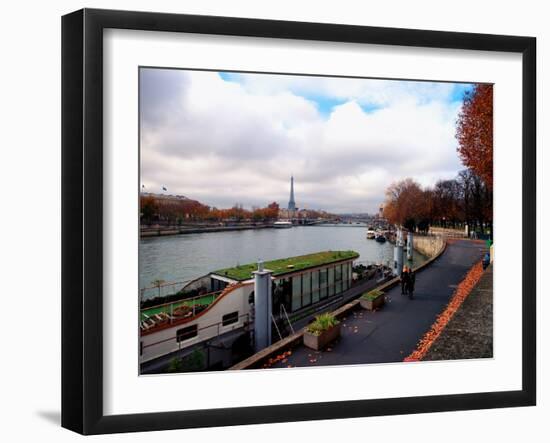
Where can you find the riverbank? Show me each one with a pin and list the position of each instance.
(171, 230)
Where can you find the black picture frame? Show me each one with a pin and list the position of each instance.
(82, 218)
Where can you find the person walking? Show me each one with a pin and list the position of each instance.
(411, 282)
(404, 280)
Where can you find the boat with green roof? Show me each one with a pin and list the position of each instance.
(220, 306)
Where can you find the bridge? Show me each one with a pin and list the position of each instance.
(345, 222)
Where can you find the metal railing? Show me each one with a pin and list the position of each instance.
(284, 314)
(163, 289)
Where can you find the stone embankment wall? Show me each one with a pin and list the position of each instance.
(429, 245)
(449, 232)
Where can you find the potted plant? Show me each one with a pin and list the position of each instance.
(322, 331)
(372, 300)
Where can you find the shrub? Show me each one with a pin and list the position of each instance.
(175, 365)
(194, 361)
(190, 363)
(322, 323)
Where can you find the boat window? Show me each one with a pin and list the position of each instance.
(323, 281)
(330, 282)
(338, 272)
(338, 278)
(232, 317)
(345, 276)
(315, 286)
(186, 333)
(306, 289)
(296, 292)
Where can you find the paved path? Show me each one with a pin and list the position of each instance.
(392, 333)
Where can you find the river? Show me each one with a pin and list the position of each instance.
(184, 257)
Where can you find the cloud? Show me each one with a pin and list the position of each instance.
(372, 92)
(230, 138)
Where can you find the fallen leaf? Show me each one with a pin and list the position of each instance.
(462, 291)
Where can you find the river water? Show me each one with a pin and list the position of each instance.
(178, 258)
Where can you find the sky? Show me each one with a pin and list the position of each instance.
(224, 138)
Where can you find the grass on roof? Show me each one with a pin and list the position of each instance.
(204, 300)
(287, 265)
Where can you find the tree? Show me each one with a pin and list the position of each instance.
(447, 202)
(477, 200)
(404, 204)
(272, 210)
(149, 208)
(475, 132)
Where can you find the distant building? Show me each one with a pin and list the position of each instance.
(164, 199)
(381, 211)
(285, 214)
(168, 208)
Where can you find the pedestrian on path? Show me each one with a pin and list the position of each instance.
(411, 282)
(486, 260)
(404, 280)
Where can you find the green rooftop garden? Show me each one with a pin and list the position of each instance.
(204, 300)
(287, 265)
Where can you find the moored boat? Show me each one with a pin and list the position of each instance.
(282, 224)
(380, 237)
(228, 305)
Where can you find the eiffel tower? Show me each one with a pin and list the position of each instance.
(291, 202)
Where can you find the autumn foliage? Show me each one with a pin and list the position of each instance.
(177, 210)
(406, 204)
(458, 297)
(170, 210)
(475, 132)
(464, 199)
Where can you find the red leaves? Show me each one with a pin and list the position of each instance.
(475, 132)
(404, 200)
(283, 358)
(462, 291)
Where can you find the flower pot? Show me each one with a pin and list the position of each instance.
(372, 303)
(319, 342)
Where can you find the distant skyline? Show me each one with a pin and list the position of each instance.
(224, 138)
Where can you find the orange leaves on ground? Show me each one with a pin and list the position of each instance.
(278, 358)
(462, 291)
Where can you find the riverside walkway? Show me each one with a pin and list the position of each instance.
(392, 333)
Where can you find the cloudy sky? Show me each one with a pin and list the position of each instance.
(223, 138)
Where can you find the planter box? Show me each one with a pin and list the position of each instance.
(372, 304)
(318, 342)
